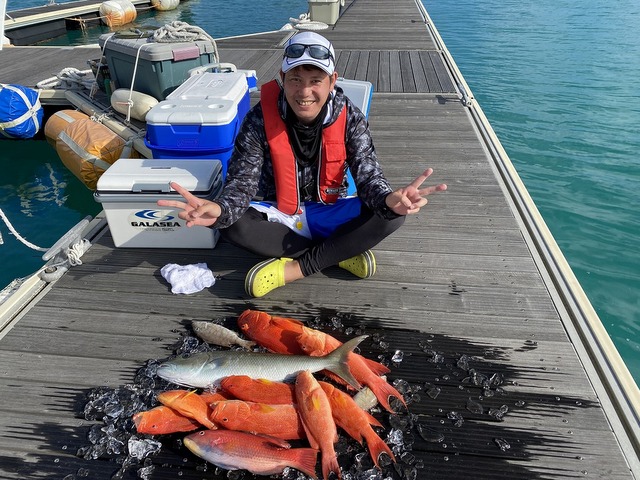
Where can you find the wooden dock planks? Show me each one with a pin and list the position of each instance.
(456, 281)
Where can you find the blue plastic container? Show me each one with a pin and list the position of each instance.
(200, 119)
(193, 154)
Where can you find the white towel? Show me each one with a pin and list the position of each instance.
(188, 278)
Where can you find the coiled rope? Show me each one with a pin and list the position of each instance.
(69, 78)
(178, 31)
(304, 22)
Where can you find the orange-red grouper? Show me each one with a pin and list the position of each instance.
(163, 420)
(280, 421)
(259, 390)
(315, 412)
(280, 335)
(355, 421)
(262, 328)
(213, 397)
(259, 455)
(315, 343)
(189, 404)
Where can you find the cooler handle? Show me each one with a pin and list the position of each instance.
(151, 188)
(214, 67)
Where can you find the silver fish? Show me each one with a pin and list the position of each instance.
(202, 370)
(218, 335)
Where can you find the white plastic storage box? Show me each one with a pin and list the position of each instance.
(200, 119)
(130, 188)
(358, 91)
(325, 11)
(161, 66)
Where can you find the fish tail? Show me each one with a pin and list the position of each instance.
(330, 464)
(377, 446)
(376, 367)
(303, 459)
(339, 358)
(383, 390)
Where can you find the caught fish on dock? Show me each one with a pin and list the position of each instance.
(268, 332)
(189, 404)
(356, 422)
(205, 369)
(216, 334)
(287, 335)
(162, 420)
(258, 454)
(259, 390)
(280, 421)
(315, 411)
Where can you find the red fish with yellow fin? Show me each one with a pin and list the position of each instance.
(315, 411)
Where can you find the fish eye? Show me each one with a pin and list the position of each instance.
(225, 419)
(201, 433)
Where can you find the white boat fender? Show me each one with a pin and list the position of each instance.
(165, 5)
(116, 13)
(132, 104)
(20, 111)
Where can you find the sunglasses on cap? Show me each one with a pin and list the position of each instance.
(296, 50)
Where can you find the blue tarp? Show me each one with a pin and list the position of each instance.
(20, 111)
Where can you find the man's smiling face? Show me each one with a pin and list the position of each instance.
(306, 89)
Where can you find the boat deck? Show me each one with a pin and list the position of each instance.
(458, 291)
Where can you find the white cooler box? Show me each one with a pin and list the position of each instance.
(130, 188)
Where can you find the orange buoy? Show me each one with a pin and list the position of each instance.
(116, 13)
(88, 149)
(58, 122)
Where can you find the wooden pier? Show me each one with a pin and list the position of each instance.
(462, 290)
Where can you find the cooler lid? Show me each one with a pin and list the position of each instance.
(155, 51)
(147, 176)
(223, 86)
(205, 112)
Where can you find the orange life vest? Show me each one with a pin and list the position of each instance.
(332, 162)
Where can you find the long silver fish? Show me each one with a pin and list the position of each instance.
(202, 370)
(218, 335)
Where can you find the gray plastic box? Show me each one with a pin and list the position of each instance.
(162, 67)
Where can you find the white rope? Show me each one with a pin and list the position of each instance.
(304, 22)
(178, 31)
(18, 236)
(68, 78)
(75, 251)
(72, 252)
(133, 81)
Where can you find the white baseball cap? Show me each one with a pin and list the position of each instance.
(309, 48)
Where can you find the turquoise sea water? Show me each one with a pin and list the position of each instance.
(558, 81)
(556, 78)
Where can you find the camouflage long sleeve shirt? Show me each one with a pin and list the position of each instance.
(250, 169)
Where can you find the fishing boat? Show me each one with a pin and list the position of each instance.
(505, 366)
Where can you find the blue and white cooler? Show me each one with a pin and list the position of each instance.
(200, 119)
